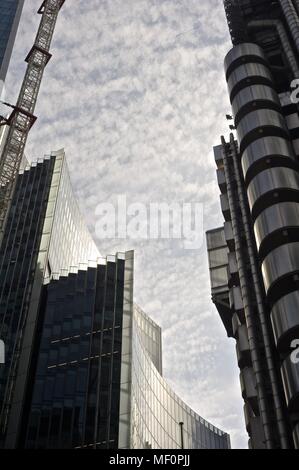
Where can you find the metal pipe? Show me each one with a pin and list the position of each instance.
(282, 430)
(291, 19)
(276, 24)
(182, 435)
(250, 316)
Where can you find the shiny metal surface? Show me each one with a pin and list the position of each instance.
(271, 180)
(283, 214)
(247, 71)
(282, 261)
(285, 319)
(254, 93)
(240, 51)
(290, 377)
(258, 119)
(266, 147)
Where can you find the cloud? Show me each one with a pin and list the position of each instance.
(135, 93)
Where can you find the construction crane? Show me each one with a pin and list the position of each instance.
(22, 117)
(20, 122)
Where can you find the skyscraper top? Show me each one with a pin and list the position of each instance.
(10, 14)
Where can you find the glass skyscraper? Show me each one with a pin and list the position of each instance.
(10, 13)
(254, 257)
(98, 382)
(157, 413)
(83, 365)
(43, 233)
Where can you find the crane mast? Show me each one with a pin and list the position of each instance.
(20, 122)
(22, 117)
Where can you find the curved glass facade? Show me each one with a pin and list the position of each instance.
(70, 242)
(156, 410)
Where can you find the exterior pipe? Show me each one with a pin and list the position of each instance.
(296, 3)
(182, 435)
(249, 313)
(291, 18)
(282, 430)
(276, 24)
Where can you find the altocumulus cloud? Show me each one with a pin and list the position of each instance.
(135, 94)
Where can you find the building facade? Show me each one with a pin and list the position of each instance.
(43, 233)
(80, 387)
(254, 257)
(98, 382)
(83, 363)
(10, 14)
(159, 418)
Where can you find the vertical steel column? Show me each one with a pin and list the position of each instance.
(249, 313)
(292, 19)
(280, 29)
(282, 431)
(182, 435)
(296, 3)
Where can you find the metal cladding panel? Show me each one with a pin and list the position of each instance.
(242, 51)
(255, 121)
(266, 147)
(253, 96)
(296, 436)
(290, 377)
(285, 320)
(281, 262)
(272, 179)
(248, 74)
(275, 218)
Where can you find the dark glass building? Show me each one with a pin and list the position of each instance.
(44, 231)
(98, 381)
(77, 386)
(10, 13)
(83, 365)
(254, 257)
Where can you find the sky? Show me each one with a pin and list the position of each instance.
(135, 93)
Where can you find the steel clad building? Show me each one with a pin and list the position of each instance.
(254, 257)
